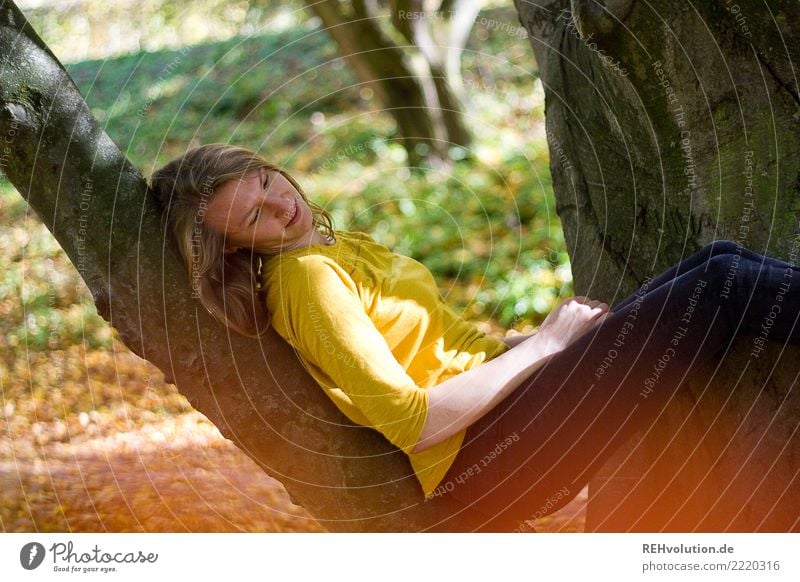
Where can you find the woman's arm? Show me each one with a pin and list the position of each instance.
(460, 401)
(515, 340)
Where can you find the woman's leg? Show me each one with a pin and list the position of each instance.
(537, 449)
(718, 247)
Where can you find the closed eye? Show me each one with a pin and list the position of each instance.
(258, 209)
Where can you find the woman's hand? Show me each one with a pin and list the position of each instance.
(571, 319)
(460, 401)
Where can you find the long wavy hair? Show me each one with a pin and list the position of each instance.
(226, 283)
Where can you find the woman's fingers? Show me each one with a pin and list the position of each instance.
(591, 302)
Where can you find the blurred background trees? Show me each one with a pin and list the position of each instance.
(409, 53)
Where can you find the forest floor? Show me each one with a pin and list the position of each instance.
(179, 476)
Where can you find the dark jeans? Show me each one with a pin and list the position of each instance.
(538, 448)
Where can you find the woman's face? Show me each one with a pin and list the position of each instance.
(262, 211)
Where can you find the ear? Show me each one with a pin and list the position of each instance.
(230, 249)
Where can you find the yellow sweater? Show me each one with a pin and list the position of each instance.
(375, 333)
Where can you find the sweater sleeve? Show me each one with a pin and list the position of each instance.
(324, 320)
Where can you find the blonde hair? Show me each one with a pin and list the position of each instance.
(227, 283)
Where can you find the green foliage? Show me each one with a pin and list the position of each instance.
(249, 90)
(79, 30)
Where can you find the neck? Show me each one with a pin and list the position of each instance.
(317, 238)
(314, 238)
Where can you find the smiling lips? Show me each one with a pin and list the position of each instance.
(295, 215)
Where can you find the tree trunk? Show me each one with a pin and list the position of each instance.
(419, 83)
(257, 393)
(670, 125)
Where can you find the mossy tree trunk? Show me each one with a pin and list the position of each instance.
(258, 394)
(671, 124)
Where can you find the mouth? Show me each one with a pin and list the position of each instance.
(295, 214)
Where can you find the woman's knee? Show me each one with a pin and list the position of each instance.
(722, 247)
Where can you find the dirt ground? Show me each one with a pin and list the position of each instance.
(181, 476)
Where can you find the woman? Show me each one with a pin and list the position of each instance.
(513, 429)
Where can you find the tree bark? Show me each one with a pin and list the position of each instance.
(258, 394)
(670, 125)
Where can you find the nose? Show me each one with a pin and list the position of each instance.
(280, 205)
